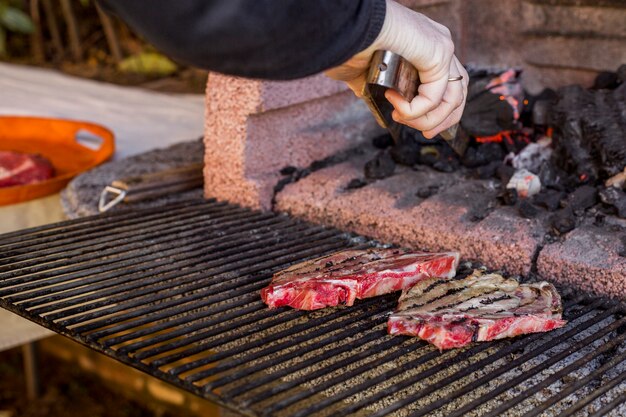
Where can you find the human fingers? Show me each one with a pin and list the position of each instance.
(430, 94)
(455, 116)
(452, 98)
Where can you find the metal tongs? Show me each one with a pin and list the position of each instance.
(390, 70)
(149, 186)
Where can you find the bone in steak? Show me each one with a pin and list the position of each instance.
(21, 168)
(344, 276)
(479, 307)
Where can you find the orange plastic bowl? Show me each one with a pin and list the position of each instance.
(71, 146)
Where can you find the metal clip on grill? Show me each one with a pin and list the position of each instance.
(173, 291)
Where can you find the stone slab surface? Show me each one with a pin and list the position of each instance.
(588, 258)
(390, 210)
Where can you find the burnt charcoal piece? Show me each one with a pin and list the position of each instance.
(589, 131)
(383, 141)
(606, 80)
(563, 221)
(505, 172)
(487, 171)
(527, 210)
(444, 165)
(479, 212)
(407, 150)
(536, 110)
(485, 114)
(549, 199)
(508, 196)
(426, 192)
(382, 166)
(552, 176)
(288, 170)
(621, 73)
(356, 183)
(483, 154)
(616, 198)
(582, 198)
(599, 220)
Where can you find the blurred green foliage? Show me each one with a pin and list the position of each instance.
(12, 19)
(148, 63)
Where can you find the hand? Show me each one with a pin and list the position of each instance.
(428, 46)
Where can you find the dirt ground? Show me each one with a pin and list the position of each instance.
(66, 391)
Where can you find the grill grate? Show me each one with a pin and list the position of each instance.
(173, 291)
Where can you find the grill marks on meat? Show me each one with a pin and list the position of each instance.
(480, 307)
(345, 276)
(21, 168)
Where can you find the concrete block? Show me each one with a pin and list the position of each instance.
(389, 210)
(587, 258)
(254, 128)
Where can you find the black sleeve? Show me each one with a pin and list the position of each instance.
(272, 39)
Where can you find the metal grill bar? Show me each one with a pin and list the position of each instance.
(554, 359)
(619, 400)
(467, 354)
(550, 343)
(173, 291)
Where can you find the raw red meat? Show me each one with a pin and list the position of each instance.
(22, 168)
(344, 276)
(477, 308)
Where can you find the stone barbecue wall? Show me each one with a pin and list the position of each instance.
(255, 128)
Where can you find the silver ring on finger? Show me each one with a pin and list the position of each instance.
(457, 78)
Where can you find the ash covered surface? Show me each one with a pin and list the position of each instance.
(80, 197)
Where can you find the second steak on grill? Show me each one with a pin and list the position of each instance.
(454, 313)
(344, 276)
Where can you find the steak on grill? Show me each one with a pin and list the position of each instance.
(344, 276)
(22, 168)
(479, 307)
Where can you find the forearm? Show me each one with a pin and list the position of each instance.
(269, 39)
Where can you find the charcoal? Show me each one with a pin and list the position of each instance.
(485, 114)
(563, 221)
(405, 155)
(526, 209)
(487, 171)
(535, 112)
(590, 131)
(505, 172)
(382, 166)
(482, 155)
(445, 165)
(425, 192)
(288, 170)
(356, 183)
(549, 199)
(383, 141)
(429, 155)
(615, 198)
(621, 73)
(582, 198)
(606, 80)
(478, 212)
(599, 220)
(552, 176)
(508, 197)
